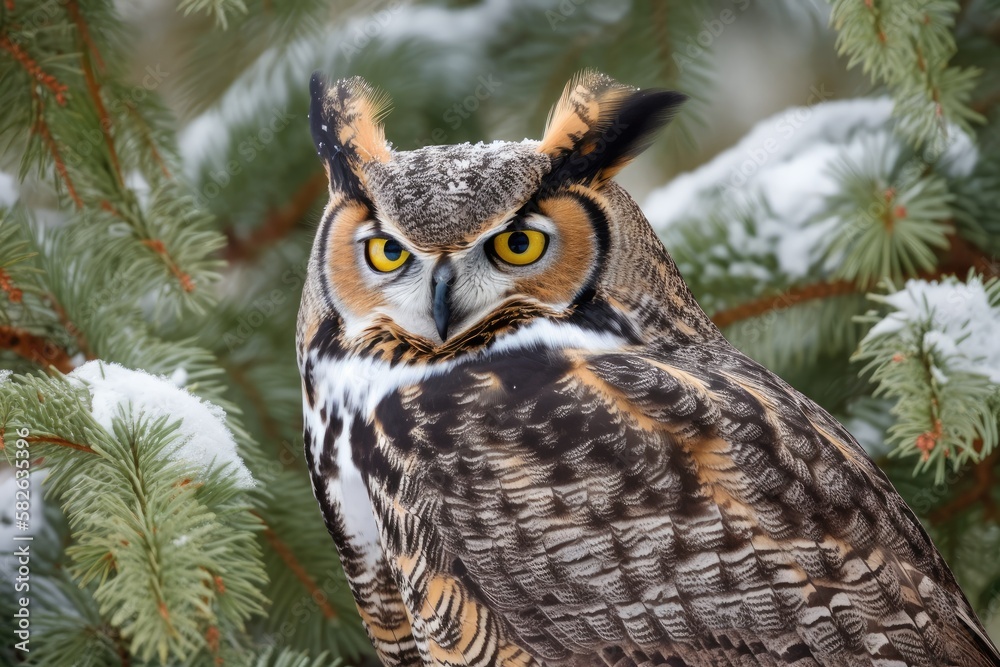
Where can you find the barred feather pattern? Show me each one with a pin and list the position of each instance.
(640, 506)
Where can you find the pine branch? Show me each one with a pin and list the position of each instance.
(908, 46)
(959, 260)
(157, 246)
(59, 442)
(147, 137)
(305, 549)
(70, 327)
(91, 150)
(292, 658)
(220, 9)
(81, 294)
(41, 128)
(787, 299)
(930, 354)
(169, 549)
(35, 70)
(90, 50)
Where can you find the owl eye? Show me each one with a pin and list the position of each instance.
(385, 255)
(521, 247)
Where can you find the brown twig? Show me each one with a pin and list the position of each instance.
(81, 340)
(876, 14)
(147, 136)
(110, 208)
(41, 128)
(787, 299)
(984, 481)
(34, 69)
(74, 11)
(278, 224)
(14, 293)
(212, 637)
(123, 654)
(961, 257)
(62, 442)
(300, 573)
(92, 86)
(35, 349)
(160, 249)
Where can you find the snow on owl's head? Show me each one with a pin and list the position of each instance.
(440, 249)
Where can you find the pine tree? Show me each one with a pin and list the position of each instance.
(155, 220)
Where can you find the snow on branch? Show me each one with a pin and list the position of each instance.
(204, 439)
(802, 197)
(936, 354)
(960, 320)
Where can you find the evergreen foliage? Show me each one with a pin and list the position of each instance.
(930, 355)
(907, 46)
(158, 215)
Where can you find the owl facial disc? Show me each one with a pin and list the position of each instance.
(443, 249)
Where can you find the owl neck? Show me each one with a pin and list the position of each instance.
(600, 322)
(386, 341)
(641, 281)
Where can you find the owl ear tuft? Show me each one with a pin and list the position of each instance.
(346, 124)
(599, 125)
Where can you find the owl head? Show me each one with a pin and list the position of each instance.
(441, 250)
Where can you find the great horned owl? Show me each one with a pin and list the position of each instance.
(532, 447)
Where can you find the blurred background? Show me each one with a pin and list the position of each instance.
(831, 192)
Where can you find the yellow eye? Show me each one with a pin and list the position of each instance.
(386, 255)
(520, 247)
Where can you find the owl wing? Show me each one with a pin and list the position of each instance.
(684, 507)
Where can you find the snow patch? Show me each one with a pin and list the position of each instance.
(179, 377)
(204, 137)
(781, 173)
(797, 144)
(939, 375)
(963, 325)
(204, 439)
(138, 184)
(9, 192)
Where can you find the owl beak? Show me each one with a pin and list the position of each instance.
(442, 279)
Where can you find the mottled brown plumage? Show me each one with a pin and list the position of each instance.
(562, 461)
